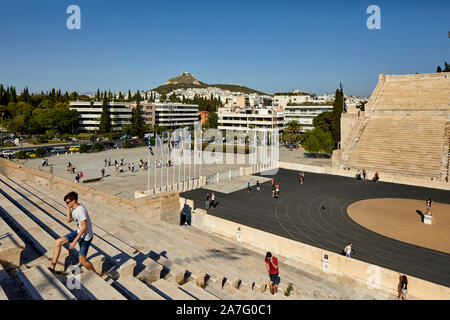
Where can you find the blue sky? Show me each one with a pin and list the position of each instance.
(271, 46)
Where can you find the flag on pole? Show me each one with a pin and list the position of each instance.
(158, 142)
(150, 147)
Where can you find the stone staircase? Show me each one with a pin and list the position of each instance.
(140, 259)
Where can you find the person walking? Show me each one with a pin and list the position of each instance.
(208, 198)
(428, 206)
(358, 174)
(277, 190)
(103, 172)
(83, 235)
(403, 287)
(248, 187)
(258, 188)
(109, 162)
(273, 183)
(81, 176)
(213, 199)
(77, 178)
(364, 174)
(106, 161)
(273, 271)
(348, 250)
(302, 177)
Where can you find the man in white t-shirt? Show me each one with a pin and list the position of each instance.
(84, 234)
(348, 250)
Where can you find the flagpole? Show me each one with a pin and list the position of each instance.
(167, 164)
(162, 160)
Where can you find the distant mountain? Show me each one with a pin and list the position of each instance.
(187, 80)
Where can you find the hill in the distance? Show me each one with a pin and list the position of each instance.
(187, 80)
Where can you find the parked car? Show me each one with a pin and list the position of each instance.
(31, 155)
(9, 152)
(74, 149)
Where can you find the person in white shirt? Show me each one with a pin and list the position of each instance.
(83, 235)
(348, 250)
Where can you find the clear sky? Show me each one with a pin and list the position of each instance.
(270, 46)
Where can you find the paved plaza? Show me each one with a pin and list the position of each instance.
(125, 184)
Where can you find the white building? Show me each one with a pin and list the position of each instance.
(248, 119)
(89, 114)
(175, 115)
(296, 97)
(304, 114)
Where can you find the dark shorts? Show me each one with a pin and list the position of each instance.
(84, 245)
(275, 278)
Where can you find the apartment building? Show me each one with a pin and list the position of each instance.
(90, 112)
(249, 119)
(304, 114)
(174, 115)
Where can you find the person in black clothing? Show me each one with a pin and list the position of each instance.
(403, 288)
(258, 188)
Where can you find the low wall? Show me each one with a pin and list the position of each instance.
(162, 206)
(296, 252)
(383, 177)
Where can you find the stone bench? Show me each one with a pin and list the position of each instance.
(11, 247)
(218, 292)
(197, 292)
(92, 287)
(39, 239)
(41, 284)
(134, 289)
(55, 221)
(169, 291)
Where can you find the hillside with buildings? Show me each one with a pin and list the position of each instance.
(187, 80)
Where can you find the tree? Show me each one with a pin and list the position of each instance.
(318, 140)
(338, 108)
(324, 121)
(138, 126)
(439, 70)
(105, 120)
(292, 131)
(447, 67)
(213, 120)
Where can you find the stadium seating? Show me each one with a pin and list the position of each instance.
(406, 129)
(139, 260)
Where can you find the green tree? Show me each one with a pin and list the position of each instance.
(324, 121)
(213, 120)
(439, 70)
(138, 126)
(84, 148)
(40, 152)
(105, 120)
(447, 67)
(317, 141)
(98, 146)
(338, 108)
(292, 131)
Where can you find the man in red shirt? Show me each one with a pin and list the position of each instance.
(272, 269)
